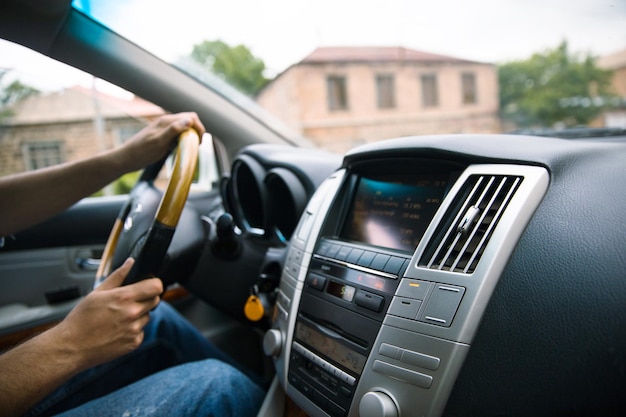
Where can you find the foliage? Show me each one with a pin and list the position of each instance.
(125, 183)
(235, 64)
(122, 185)
(13, 93)
(553, 88)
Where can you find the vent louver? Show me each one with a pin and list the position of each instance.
(459, 244)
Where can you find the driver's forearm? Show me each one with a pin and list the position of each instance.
(31, 371)
(30, 197)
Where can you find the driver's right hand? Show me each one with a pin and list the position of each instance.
(109, 321)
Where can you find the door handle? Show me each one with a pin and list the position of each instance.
(88, 264)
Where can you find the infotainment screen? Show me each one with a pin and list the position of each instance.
(394, 211)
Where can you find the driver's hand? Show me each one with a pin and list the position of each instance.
(156, 140)
(109, 321)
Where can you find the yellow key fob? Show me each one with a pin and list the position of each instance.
(254, 309)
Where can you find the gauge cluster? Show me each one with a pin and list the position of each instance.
(267, 190)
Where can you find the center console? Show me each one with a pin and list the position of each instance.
(387, 277)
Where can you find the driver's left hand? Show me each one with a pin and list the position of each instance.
(157, 139)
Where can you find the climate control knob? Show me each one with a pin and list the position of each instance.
(272, 342)
(377, 404)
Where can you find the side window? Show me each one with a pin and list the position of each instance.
(51, 113)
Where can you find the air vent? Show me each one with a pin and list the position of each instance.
(459, 244)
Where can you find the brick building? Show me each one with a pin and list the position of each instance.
(616, 62)
(345, 96)
(68, 125)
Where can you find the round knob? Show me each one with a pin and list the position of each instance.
(272, 342)
(377, 404)
(227, 245)
(225, 227)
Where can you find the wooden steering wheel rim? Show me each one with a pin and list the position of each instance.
(172, 202)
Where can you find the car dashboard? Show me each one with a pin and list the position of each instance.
(425, 273)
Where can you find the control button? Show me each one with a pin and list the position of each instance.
(316, 281)
(406, 375)
(295, 256)
(377, 404)
(281, 312)
(420, 359)
(443, 304)
(323, 249)
(292, 268)
(345, 391)
(379, 261)
(412, 288)
(343, 253)
(366, 259)
(332, 251)
(368, 300)
(354, 256)
(272, 342)
(404, 307)
(295, 381)
(394, 265)
(390, 351)
(307, 390)
(283, 299)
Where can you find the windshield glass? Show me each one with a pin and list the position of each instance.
(351, 72)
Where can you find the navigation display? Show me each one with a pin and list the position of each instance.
(393, 212)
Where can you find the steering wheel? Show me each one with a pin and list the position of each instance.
(145, 226)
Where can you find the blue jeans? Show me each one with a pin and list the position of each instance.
(151, 380)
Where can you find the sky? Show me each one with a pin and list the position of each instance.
(282, 32)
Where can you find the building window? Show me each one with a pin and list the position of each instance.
(430, 95)
(386, 91)
(42, 154)
(468, 87)
(337, 92)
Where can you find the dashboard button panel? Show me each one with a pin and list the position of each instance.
(414, 378)
(443, 304)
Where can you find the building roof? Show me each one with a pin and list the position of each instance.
(78, 104)
(613, 61)
(374, 54)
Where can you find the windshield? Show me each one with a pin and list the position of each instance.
(351, 72)
(347, 73)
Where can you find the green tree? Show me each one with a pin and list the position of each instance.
(12, 93)
(554, 87)
(235, 64)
